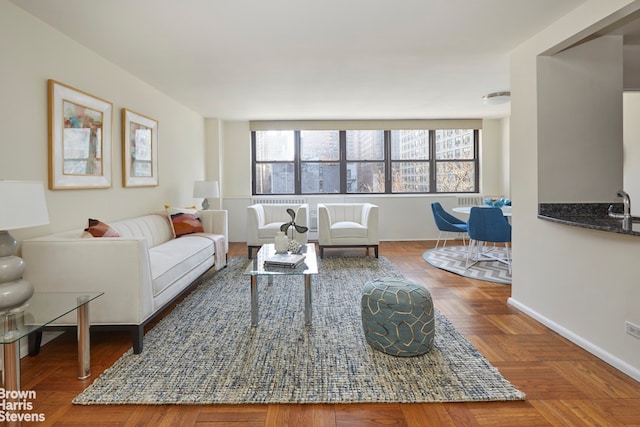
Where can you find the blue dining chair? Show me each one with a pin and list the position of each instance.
(447, 223)
(488, 225)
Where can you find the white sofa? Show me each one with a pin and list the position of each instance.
(140, 272)
(347, 225)
(264, 221)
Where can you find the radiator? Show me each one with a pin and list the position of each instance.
(278, 200)
(470, 200)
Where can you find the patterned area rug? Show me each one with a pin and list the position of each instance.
(453, 259)
(204, 351)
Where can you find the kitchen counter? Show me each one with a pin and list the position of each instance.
(593, 216)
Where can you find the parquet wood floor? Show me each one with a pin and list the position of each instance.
(565, 385)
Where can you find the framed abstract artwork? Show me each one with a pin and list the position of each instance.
(79, 139)
(139, 150)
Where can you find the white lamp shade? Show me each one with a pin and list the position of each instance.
(22, 205)
(205, 189)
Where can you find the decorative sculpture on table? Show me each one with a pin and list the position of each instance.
(294, 245)
(281, 242)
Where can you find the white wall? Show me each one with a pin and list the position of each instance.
(631, 127)
(632, 67)
(401, 217)
(581, 283)
(30, 54)
(495, 157)
(580, 122)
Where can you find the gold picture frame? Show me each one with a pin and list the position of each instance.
(139, 150)
(79, 138)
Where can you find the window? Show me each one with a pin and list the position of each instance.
(273, 152)
(410, 166)
(320, 162)
(455, 154)
(365, 161)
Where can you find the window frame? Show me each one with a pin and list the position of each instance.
(387, 161)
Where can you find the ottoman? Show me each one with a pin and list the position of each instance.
(397, 316)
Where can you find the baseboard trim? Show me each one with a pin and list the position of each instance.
(609, 358)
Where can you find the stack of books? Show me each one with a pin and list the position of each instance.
(284, 260)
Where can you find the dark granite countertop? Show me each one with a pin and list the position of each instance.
(593, 216)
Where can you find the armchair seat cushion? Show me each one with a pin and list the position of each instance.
(348, 229)
(268, 231)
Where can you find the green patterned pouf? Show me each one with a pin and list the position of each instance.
(397, 317)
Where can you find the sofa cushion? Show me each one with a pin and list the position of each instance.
(155, 229)
(98, 228)
(176, 258)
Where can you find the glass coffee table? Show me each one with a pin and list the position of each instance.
(257, 269)
(32, 317)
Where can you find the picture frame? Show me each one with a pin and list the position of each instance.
(139, 150)
(79, 138)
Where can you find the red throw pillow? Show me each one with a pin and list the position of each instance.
(100, 229)
(185, 223)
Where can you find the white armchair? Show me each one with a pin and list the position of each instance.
(264, 221)
(348, 224)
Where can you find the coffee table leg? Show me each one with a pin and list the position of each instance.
(254, 301)
(307, 299)
(84, 346)
(11, 366)
(11, 371)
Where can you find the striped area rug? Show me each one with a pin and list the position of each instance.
(205, 352)
(453, 259)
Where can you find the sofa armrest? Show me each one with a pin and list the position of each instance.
(255, 220)
(302, 218)
(65, 264)
(216, 222)
(324, 225)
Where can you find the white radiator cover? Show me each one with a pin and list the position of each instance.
(470, 200)
(278, 200)
(475, 200)
(293, 200)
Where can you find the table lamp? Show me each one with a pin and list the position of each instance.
(22, 205)
(205, 189)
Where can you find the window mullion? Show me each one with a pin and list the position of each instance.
(387, 162)
(432, 162)
(254, 164)
(343, 162)
(476, 157)
(297, 168)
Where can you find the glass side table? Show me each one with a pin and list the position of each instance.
(32, 317)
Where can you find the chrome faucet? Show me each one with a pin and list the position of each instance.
(626, 200)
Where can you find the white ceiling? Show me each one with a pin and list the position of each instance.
(301, 59)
